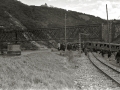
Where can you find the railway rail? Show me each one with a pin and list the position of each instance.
(109, 71)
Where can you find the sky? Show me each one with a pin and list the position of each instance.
(92, 7)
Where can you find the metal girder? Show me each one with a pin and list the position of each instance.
(52, 34)
(115, 31)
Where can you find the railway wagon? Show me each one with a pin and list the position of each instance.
(103, 46)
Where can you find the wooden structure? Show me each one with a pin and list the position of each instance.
(14, 49)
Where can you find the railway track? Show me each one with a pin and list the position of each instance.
(111, 72)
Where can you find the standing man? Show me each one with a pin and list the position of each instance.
(85, 50)
(109, 54)
(1, 48)
(58, 46)
(117, 57)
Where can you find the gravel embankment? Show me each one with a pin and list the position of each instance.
(92, 79)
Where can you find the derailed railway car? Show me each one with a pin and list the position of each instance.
(92, 46)
(97, 46)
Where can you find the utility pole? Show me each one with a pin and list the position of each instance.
(80, 44)
(65, 34)
(16, 37)
(108, 29)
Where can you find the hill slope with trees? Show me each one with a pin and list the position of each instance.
(33, 17)
(44, 16)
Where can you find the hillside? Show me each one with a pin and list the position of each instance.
(35, 17)
(42, 16)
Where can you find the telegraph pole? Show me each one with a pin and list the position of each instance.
(108, 29)
(16, 37)
(80, 44)
(65, 34)
(107, 22)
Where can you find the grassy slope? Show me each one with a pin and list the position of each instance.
(38, 70)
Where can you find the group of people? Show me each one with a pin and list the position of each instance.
(62, 46)
(70, 47)
(109, 53)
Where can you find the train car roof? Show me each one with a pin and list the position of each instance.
(103, 43)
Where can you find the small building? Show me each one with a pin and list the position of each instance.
(14, 49)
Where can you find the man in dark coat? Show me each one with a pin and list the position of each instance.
(85, 50)
(1, 48)
(109, 54)
(117, 57)
(62, 47)
(102, 53)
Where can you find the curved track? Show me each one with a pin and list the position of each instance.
(108, 70)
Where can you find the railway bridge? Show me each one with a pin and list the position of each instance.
(97, 32)
(51, 36)
(112, 33)
(44, 34)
